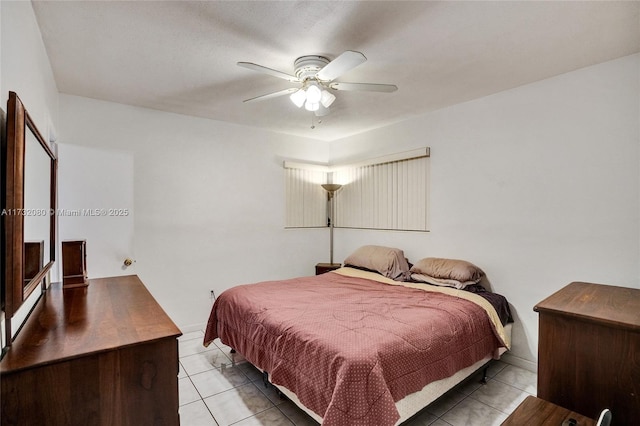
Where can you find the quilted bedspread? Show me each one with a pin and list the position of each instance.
(350, 347)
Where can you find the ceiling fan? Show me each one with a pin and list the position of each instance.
(315, 76)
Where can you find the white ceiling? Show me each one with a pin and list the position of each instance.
(181, 56)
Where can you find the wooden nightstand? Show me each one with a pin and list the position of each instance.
(321, 268)
(538, 412)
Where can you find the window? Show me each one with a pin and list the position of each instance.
(389, 193)
(384, 196)
(306, 201)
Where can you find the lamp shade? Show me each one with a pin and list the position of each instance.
(313, 98)
(327, 98)
(331, 187)
(313, 94)
(311, 106)
(298, 97)
(322, 111)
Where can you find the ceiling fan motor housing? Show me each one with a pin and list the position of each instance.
(308, 66)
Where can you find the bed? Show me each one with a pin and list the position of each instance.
(355, 347)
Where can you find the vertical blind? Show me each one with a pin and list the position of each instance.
(377, 194)
(306, 204)
(384, 196)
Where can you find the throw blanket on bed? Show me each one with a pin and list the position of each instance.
(350, 347)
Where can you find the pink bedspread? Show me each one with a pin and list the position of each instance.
(349, 347)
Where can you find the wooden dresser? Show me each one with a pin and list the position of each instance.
(537, 412)
(589, 350)
(106, 354)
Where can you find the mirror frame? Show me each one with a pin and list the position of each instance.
(15, 291)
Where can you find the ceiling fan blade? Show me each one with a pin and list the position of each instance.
(271, 72)
(343, 63)
(272, 95)
(369, 87)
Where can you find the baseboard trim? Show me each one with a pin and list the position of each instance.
(519, 362)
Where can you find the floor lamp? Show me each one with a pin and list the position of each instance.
(331, 189)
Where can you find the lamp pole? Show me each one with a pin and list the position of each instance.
(331, 189)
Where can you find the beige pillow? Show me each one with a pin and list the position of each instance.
(449, 272)
(387, 261)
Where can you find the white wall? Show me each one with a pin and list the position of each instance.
(2, 107)
(209, 201)
(538, 185)
(25, 69)
(25, 65)
(95, 203)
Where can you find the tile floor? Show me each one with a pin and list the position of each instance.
(220, 388)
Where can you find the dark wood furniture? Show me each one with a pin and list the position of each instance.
(106, 354)
(20, 176)
(74, 264)
(537, 412)
(589, 350)
(33, 259)
(321, 268)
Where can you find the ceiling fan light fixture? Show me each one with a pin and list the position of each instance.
(311, 106)
(313, 93)
(298, 97)
(316, 78)
(322, 111)
(327, 98)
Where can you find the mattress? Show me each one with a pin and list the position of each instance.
(415, 402)
(353, 345)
